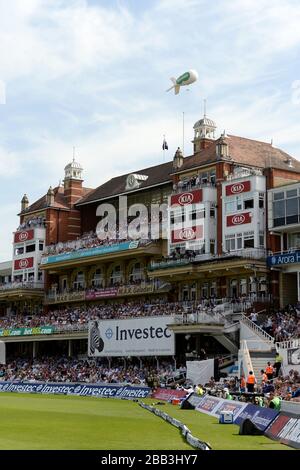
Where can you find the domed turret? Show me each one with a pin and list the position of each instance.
(204, 133)
(73, 171)
(73, 189)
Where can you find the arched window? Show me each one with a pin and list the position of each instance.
(79, 281)
(234, 288)
(97, 280)
(136, 273)
(116, 276)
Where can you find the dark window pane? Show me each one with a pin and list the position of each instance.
(291, 193)
(278, 196)
(279, 221)
(249, 243)
(249, 204)
(292, 206)
(292, 219)
(278, 209)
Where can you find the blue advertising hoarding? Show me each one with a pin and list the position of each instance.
(85, 253)
(77, 389)
(261, 417)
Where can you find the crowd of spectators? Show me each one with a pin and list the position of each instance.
(193, 182)
(82, 315)
(38, 222)
(89, 240)
(283, 324)
(284, 387)
(181, 254)
(63, 369)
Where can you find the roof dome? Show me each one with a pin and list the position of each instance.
(205, 122)
(73, 170)
(73, 165)
(204, 129)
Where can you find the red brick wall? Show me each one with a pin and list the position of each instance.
(73, 191)
(56, 225)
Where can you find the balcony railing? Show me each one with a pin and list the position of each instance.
(191, 187)
(199, 318)
(108, 292)
(248, 253)
(258, 330)
(251, 254)
(170, 263)
(21, 285)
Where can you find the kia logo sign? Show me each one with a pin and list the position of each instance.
(185, 198)
(187, 234)
(238, 219)
(23, 236)
(237, 188)
(23, 263)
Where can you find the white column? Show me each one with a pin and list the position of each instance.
(70, 348)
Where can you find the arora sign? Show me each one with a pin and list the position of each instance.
(149, 336)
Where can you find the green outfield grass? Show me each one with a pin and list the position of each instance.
(60, 422)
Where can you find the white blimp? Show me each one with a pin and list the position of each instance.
(185, 79)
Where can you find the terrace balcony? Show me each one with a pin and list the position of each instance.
(16, 290)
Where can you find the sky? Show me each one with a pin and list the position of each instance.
(93, 74)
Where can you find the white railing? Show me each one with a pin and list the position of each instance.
(22, 285)
(258, 330)
(290, 344)
(198, 318)
(58, 329)
(246, 359)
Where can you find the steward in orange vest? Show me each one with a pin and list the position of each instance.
(269, 371)
(251, 380)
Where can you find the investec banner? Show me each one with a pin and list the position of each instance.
(38, 330)
(85, 253)
(149, 336)
(77, 389)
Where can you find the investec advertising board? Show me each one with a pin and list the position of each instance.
(149, 336)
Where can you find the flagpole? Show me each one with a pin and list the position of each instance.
(164, 149)
(183, 133)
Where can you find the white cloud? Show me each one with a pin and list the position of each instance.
(10, 163)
